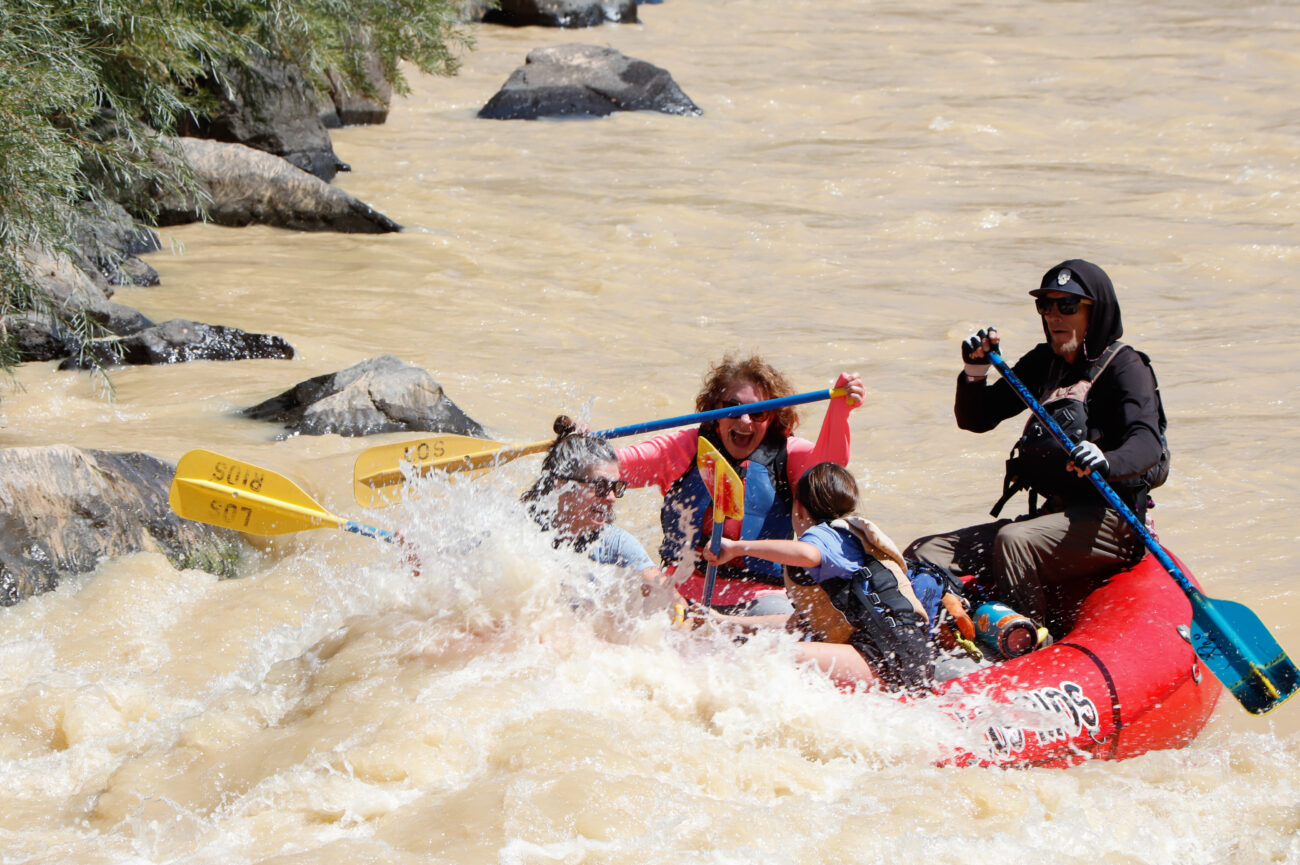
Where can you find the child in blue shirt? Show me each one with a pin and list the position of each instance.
(850, 588)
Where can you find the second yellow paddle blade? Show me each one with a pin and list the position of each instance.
(377, 477)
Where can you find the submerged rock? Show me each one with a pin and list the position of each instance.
(379, 395)
(63, 510)
(179, 341)
(567, 80)
(243, 186)
(561, 13)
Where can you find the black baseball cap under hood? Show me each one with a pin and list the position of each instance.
(1086, 279)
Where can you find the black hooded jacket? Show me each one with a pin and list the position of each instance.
(1123, 407)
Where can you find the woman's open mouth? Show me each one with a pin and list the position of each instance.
(740, 442)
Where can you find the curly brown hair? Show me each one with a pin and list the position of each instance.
(752, 370)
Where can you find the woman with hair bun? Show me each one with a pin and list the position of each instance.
(574, 498)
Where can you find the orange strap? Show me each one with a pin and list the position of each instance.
(953, 605)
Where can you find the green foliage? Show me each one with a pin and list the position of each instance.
(87, 85)
(339, 35)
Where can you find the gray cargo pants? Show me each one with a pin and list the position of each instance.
(1041, 566)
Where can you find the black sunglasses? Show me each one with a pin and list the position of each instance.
(1066, 305)
(601, 486)
(755, 416)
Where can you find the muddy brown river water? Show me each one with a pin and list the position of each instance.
(870, 181)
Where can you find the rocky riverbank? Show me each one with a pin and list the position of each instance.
(263, 155)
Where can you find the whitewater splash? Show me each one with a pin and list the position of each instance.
(513, 703)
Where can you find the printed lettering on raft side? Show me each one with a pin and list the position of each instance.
(1076, 711)
(237, 476)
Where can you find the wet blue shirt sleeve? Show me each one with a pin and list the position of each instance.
(841, 554)
(617, 546)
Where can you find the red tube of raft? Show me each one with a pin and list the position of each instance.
(1123, 682)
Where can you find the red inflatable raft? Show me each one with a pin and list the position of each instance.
(1123, 682)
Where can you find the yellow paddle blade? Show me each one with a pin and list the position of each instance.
(724, 484)
(377, 476)
(222, 491)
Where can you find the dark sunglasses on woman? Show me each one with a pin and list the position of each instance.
(755, 416)
(1066, 305)
(601, 486)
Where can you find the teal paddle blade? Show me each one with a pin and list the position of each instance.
(1231, 640)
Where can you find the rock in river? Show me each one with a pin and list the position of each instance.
(180, 340)
(560, 13)
(575, 79)
(378, 395)
(63, 509)
(247, 186)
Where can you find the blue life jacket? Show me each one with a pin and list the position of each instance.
(930, 582)
(687, 514)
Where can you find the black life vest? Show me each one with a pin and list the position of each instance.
(1038, 461)
(887, 630)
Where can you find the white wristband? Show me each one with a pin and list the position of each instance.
(977, 370)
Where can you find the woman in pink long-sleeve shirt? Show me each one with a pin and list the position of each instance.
(769, 459)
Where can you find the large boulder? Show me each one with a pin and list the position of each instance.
(379, 395)
(75, 291)
(179, 341)
(109, 242)
(585, 80)
(63, 509)
(350, 105)
(561, 13)
(270, 106)
(245, 186)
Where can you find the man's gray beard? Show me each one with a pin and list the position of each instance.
(1065, 350)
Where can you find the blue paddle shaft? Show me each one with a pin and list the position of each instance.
(715, 414)
(1104, 488)
(711, 574)
(369, 531)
